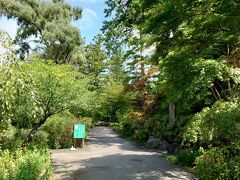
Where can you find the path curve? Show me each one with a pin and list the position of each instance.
(110, 157)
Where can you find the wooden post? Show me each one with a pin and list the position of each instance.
(74, 142)
(83, 142)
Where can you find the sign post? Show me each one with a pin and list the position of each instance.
(79, 132)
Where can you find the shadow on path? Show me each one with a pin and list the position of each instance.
(109, 157)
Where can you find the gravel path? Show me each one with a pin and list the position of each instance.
(109, 157)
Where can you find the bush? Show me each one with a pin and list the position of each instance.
(217, 125)
(40, 138)
(60, 129)
(24, 164)
(155, 125)
(115, 126)
(219, 163)
(184, 158)
(15, 138)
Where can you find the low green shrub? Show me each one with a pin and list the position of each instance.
(14, 139)
(40, 139)
(187, 158)
(219, 163)
(115, 126)
(217, 125)
(24, 164)
(184, 158)
(60, 129)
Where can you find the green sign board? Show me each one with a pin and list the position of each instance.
(79, 131)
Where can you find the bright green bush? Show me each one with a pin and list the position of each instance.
(24, 164)
(14, 138)
(219, 163)
(59, 129)
(216, 125)
(115, 126)
(131, 125)
(40, 138)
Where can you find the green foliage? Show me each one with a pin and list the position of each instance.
(88, 121)
(39, 90)
(115, 126)
(155, 125)
(113, 102)
(59, 129)
(24, 164)
(8, 140)
(131, 125)
(9, 82)
(6, 45)
(40, 138)
(219, 163)
(95, 64)
(14, 138)
(216, 125)
(184, 158)
(50, 23)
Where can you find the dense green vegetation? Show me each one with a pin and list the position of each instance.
(166, 69)
(27, 164)
(192, 99)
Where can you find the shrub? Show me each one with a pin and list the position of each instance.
(184, 158)
(24, 164)
(115, 126)
(15, 138)
(219, 163)
(187, 158)
(40, 139)
(60, 129)
(217, 125)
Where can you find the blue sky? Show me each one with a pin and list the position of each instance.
(89, 25)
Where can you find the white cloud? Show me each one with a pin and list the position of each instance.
(89, 17)
(88, 11)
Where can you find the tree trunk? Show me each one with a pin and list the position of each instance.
(172, 112)
(33, 131)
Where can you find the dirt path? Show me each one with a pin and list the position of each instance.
(109, 157)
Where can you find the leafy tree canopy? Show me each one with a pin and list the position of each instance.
(49, 22)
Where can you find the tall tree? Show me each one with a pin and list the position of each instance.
(54, 90)
(49, 22)
(95, 64)
(124, 30)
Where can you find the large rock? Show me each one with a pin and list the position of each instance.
(153, 142)
(173, 148)
(157, 143)
(163, 146)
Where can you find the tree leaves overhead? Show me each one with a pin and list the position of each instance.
(49, 23)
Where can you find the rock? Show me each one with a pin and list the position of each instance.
(163, 146)
(173, 148)
(153, 142)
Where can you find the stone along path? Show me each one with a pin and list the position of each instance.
(110, 157)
